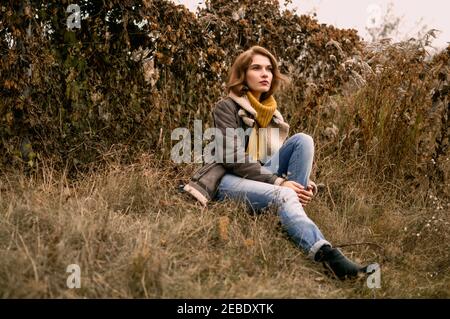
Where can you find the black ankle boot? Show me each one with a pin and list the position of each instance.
(334, 260)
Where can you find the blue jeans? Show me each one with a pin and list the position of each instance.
(294, 160)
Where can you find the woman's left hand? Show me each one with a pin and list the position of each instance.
(305, 195)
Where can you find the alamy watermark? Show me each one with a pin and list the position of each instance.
(224, 145)
(74, 279)
(74, 19)
(374, 279)
(374, 19)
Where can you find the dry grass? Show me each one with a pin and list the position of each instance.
(134, 235)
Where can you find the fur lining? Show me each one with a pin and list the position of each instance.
(199, 196)
(247, 120)
(246, 106)
(244, 103)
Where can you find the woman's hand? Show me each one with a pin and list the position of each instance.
(304, 195)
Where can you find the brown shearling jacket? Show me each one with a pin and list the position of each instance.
(234, 112)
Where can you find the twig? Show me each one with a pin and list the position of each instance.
(331, 197)
(33, 264)
(363, 243)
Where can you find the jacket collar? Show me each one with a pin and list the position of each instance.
(246, 105)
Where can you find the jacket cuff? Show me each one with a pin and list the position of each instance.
(278, 181)
(197, 192)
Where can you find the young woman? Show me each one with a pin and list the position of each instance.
(265, 167)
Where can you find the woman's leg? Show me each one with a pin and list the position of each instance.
(259, 195)
(294, 159)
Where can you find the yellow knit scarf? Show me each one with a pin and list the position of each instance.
(264, 110)
(264, 113)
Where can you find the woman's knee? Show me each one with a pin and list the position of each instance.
(286, 194)
(303, 139)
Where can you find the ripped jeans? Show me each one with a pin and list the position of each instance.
(295, 161)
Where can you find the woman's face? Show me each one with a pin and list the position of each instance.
(259, 75)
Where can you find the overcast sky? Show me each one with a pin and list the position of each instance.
(357, 14)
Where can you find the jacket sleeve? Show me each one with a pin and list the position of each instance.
(230, 147)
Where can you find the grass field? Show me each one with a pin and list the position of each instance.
(134, 235)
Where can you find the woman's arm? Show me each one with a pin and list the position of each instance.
(233, 155)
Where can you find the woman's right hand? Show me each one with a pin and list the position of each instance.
(304, 195)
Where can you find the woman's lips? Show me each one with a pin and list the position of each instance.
(264, 83)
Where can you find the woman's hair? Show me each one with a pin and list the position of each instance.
(236, 82)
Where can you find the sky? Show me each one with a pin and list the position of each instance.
(357, 14)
